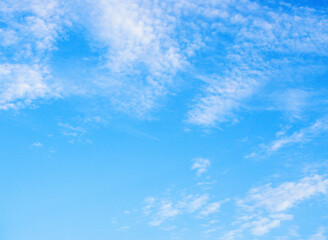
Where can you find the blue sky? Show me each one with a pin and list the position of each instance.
(164, 120)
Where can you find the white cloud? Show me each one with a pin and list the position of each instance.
(257, 32)
(266, 206)
(30, 30)
(292, 101)
(72, 131)
(161, 210)
(319, 235)
(200, 165)
(211, 208)
(263, 208)
(144, 50)
(143, 44)
(231, 235)
(198, 202)
(35, 32)
(222, 97)
(301, 136)
(135, 33)
(20, 84)
(263, 225)
(165, 211)
(37, 144)
(194, 202)
(281, 198)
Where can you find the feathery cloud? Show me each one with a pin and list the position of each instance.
(301, 136)
(29, 31)
(265, 207)
(20, 84)
(200, 165)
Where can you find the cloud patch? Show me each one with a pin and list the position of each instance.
(266, 207)
(200, 165)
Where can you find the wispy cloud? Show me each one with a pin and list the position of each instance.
(37, 144)
(32, 27)
(222, 97)
(72, 131)
(212, 208)
(286, 195)
(135, 34)
(261, 210)
(200, 165)
(162, 210)
(30, 30)
(292, 101)
(260, 36)
(142, 45)
(22, 83)
(301, 136)
(143, 50)
(265, 207)
(184, 202)
(320, 234)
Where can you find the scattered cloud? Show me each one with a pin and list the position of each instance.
(286, 195)
(263, 225)
(20, 84)
(29, 30)
(37, 144)
(301, 136)
(200, 165)
(144, 50)
(184, 202)
(198, 205)
(32, 27)
(319, 235)
(71, 131)
(222, 97)
(265, 41)
(292, 101)
(165, 211)
(212, 208)
(142, 45)
(265, 207)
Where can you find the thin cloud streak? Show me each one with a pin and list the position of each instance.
(266, 207)
(303, 135)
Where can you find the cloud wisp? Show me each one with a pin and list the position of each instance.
(143, 46)
(260, 36)
(259, 212)
(266, 207)
(298, 137)
(29, 32)
(200, 165)
(320, 234)
(198, 205)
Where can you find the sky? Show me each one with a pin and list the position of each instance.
(166, 120)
